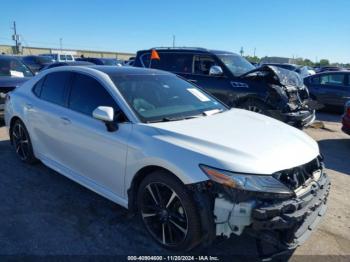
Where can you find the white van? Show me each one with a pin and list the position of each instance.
(60, 57)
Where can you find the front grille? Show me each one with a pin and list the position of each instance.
(296, 177)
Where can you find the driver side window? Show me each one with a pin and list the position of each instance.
(202, 64)
(87, 94)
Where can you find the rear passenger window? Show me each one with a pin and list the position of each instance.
(173, 62)
(53, 89)
(87, 94)
(38, 87)
(333, 79)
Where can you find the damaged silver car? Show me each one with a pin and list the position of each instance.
(190, 167)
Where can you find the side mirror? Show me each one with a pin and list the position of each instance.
(216, 71)
(106, 115)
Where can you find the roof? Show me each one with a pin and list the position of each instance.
(128, 70)
(189, 49)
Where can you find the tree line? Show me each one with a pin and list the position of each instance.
(302, 62)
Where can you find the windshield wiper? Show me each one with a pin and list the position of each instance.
(169, 119)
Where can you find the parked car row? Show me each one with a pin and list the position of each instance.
(13, 73)
(189, 166)
(102, 61)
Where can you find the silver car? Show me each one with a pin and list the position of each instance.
(156, 144)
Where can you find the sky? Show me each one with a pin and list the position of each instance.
(313, 29)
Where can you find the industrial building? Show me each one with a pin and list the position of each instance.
(26, 50)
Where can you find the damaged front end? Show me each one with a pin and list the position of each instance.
(287, 95)
(281, 209)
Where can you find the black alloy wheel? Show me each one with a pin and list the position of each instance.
(168, 212)
(22, 143)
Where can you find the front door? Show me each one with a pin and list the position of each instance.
(92, 151)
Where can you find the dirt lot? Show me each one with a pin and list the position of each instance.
(43, 213)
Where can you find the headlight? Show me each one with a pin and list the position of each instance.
(249, 182)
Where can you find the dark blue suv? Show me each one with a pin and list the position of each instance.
(269, 90)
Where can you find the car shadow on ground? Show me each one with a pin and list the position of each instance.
(336, 152)
(43, 213)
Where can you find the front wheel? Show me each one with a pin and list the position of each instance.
(168, 211)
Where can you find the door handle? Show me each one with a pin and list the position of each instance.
(192, 80)
(65, 120)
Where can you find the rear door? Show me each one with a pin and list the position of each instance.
(46, 115)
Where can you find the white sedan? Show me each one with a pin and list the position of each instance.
(167, 150)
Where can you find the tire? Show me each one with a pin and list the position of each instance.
(256, 106)
(168, 212)
(22, 143)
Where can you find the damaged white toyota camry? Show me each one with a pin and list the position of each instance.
(156, 144)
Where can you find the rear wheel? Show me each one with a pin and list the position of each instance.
(168, 211)
(22, 143)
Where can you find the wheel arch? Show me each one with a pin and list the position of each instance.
(252, 97)
(138, 178)
(11, 123)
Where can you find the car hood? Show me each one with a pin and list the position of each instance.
(284, 76)
(241, 141)
(9, 81)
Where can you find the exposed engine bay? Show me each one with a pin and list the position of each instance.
(282, 221)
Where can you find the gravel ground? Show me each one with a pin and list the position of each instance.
(43, 213)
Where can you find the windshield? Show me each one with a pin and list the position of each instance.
(236, 64)
(157, 98)
(14, 68)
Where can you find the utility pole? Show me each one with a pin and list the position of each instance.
(15, 37)
(241, 51)
(254, 51)
(61, 44)
(174, 37)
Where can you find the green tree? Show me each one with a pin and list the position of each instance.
(324, 62)
(253, 59)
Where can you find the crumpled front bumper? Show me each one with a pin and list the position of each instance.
(300, 118)
(289, 223)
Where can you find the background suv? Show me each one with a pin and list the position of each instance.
(269, 90)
